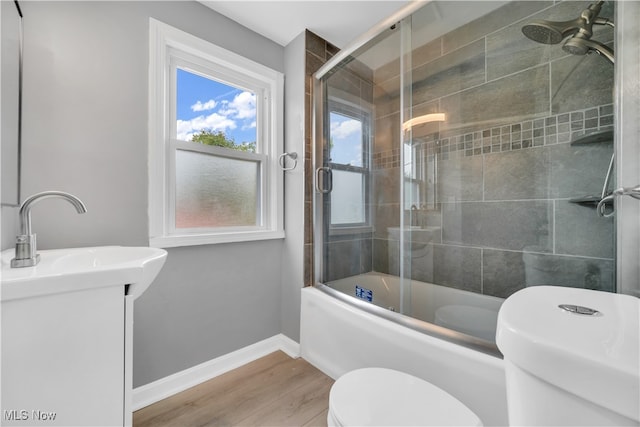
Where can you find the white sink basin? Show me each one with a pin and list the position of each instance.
(67, 270)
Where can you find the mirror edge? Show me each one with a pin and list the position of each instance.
(16, 202)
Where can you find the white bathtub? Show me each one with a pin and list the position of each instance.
(337, 336)
(467, 312)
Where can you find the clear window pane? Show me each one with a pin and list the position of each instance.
(215, 191)
(347, 198)
(346, 140)
(215, 113)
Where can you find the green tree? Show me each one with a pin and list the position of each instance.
(219, 139)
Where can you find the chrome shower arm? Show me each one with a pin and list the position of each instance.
(604, 21)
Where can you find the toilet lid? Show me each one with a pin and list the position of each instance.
(384, 397)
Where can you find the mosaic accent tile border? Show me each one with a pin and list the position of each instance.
(556, 129)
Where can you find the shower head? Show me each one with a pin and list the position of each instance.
(581, 46)
(550, 32)
(579, 30)
(576, 46)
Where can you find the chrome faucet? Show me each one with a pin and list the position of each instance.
(26, 250)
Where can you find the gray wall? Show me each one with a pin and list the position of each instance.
(85, 132)
(294, 184)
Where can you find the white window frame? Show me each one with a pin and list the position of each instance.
(345, 107)
(170, 48)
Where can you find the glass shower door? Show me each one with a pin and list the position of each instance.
(462, 161)
(357, 179)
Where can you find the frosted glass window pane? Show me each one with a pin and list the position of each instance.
(411, 194)
(347, 198)
(215, 191)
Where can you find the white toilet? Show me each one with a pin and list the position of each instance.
(571, 357)
(384, 397)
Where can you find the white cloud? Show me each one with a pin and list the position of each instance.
(209, 105)
(239, 112)
(214, 122)
(345, 129)
(243, 106)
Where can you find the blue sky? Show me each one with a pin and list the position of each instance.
(207, 104)
(346, 133)
(204, 103)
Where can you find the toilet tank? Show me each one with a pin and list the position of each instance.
(571, 357)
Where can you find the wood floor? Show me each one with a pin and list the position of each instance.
(275, 390)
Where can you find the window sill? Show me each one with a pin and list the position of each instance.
(337, 231)
(175, 241)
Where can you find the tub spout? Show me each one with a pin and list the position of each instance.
(26, 248)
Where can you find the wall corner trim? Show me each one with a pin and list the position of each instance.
(168, 386)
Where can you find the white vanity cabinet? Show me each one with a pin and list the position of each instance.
(67, 335)
(63, 359)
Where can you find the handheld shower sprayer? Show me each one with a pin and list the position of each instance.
(579, 30)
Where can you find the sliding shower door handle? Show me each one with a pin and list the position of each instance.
(324, 185)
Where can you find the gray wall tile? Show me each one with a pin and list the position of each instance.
(387, 215)
(386, 186)
(499, 225)
(521, 174)
(460, 179)
(457, 267)
(578, 170)
(575, 272)
(343, 81)
(579, 231)
(507, 100)
(381, 256)
(510, 12)
(426, 129)
(426, 53)
(366, 255)
(458, 70)
(386, 97)
(387, 129)
(387, 71)
(509, 51)
(344, 259)
(502, 272)
(579, 82)
(422, 263)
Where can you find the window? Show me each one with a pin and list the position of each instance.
(215, 132)
(349, 134)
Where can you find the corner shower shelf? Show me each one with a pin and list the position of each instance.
(592, 201)
(589, 201)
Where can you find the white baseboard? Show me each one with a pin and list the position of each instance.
(160, 389)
